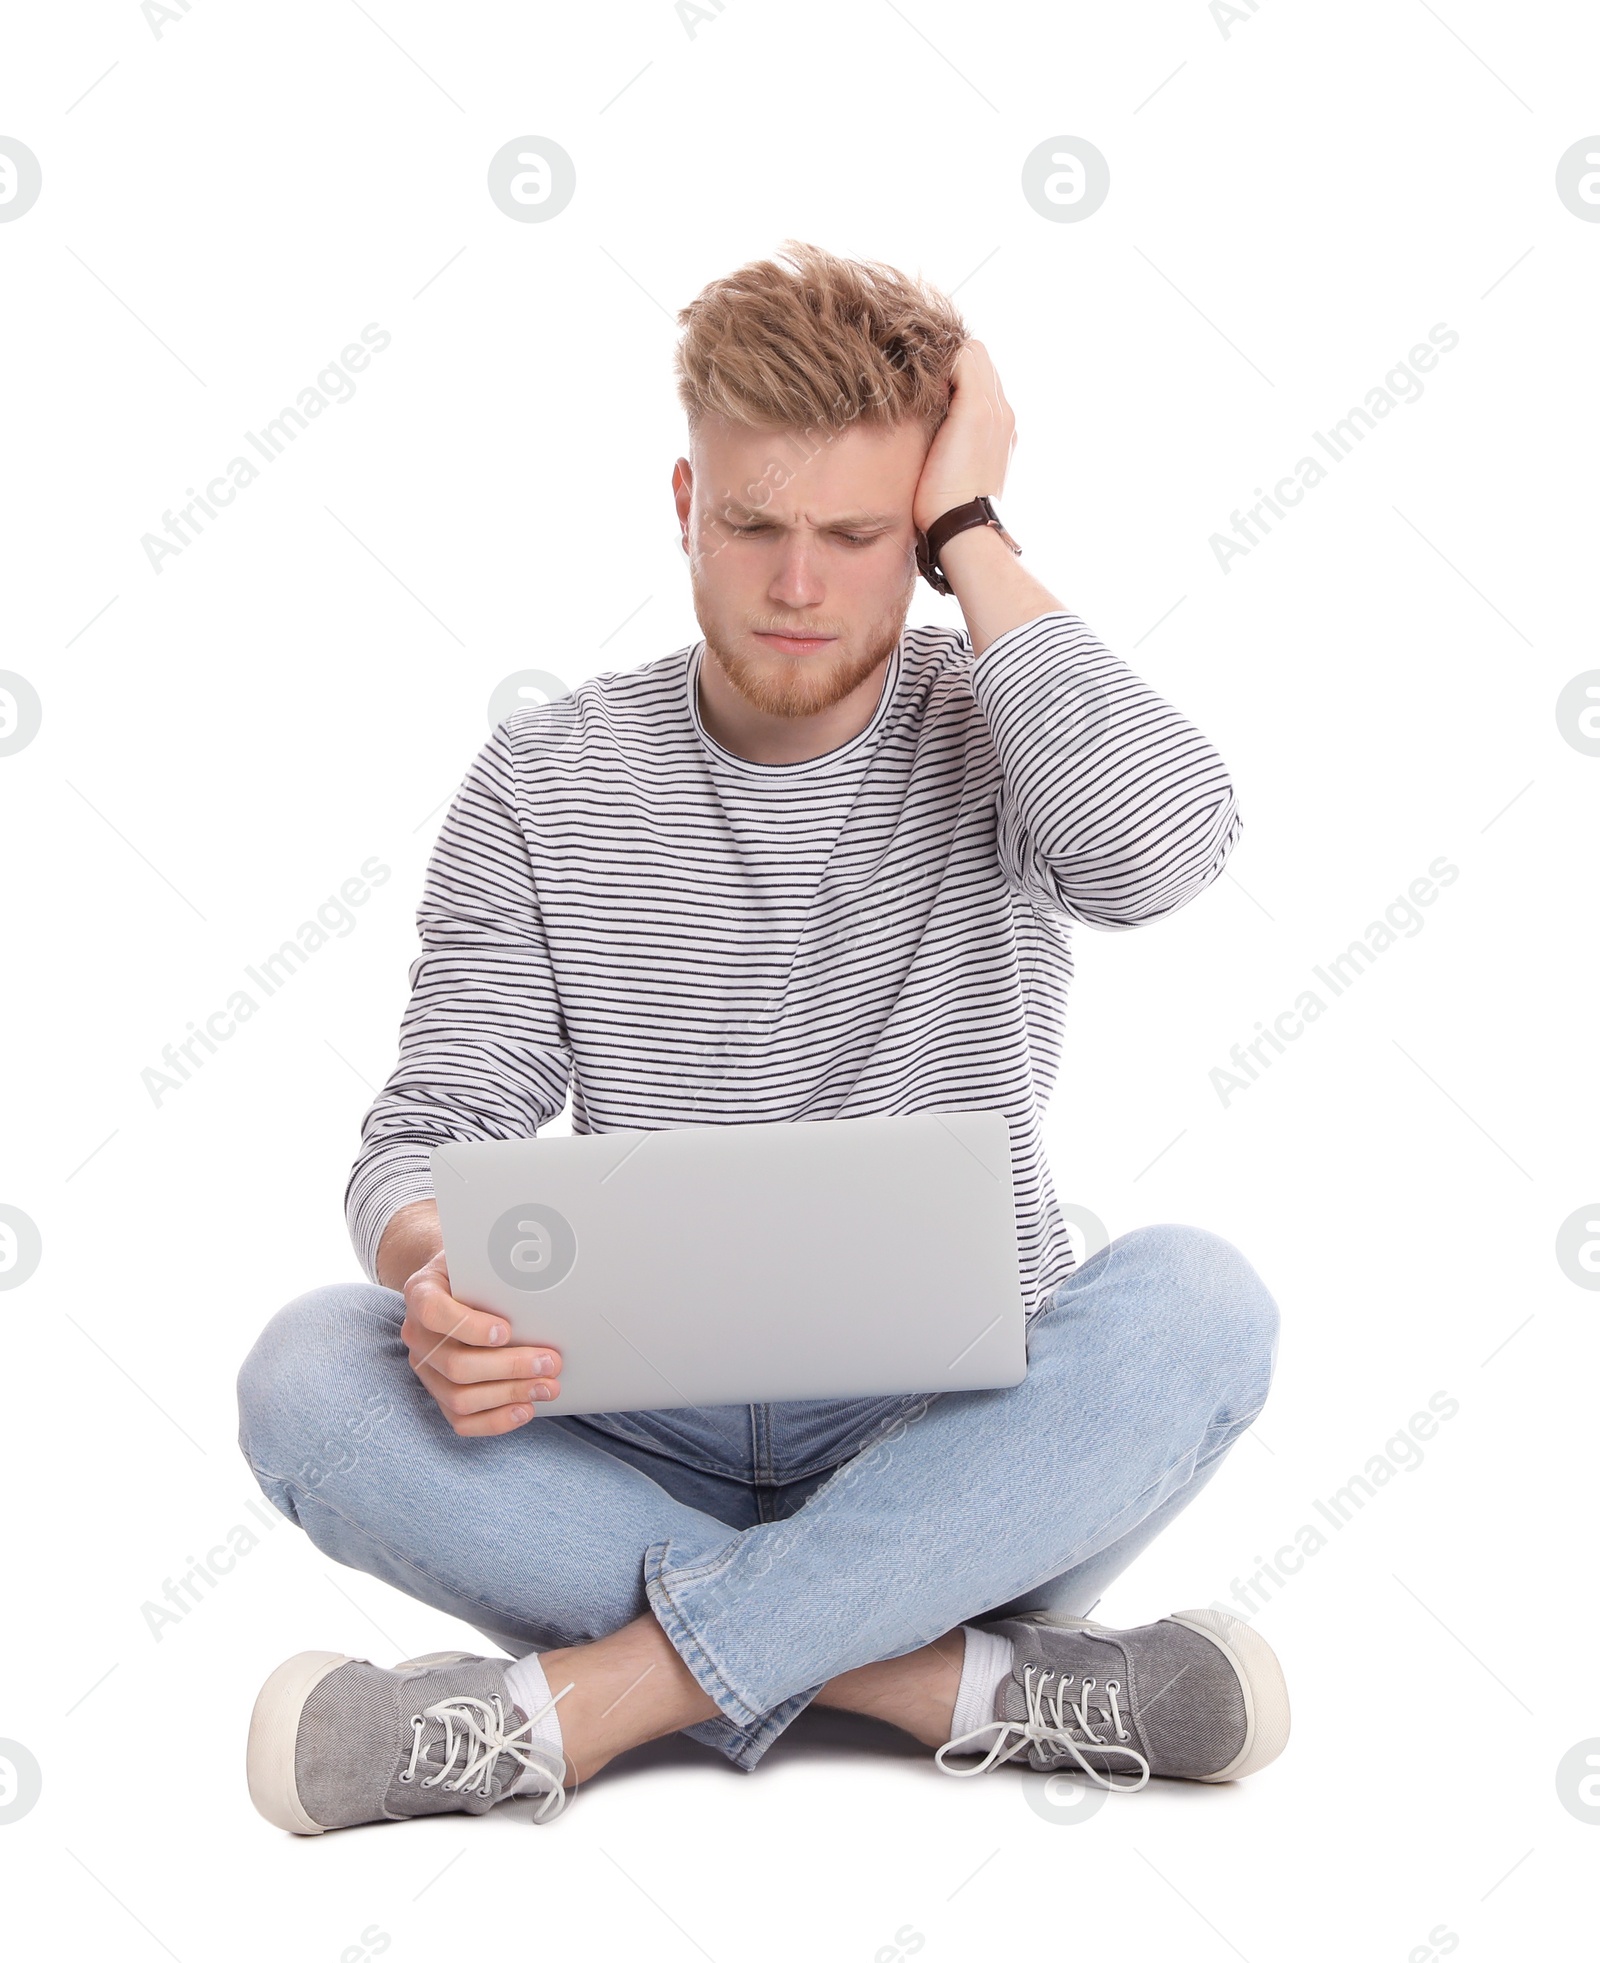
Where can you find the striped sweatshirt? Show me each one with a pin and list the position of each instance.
(619, 907)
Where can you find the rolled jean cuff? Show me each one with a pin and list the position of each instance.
(743, 1733)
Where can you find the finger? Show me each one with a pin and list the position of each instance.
(492, 1424)
(432, 1304)
(472, 1400)
(468, 1400)
(464, 1365)
(984, 380)
(979, 366)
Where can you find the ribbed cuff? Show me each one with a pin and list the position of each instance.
(378, 1189)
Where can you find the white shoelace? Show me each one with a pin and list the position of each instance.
(481, 1728)
(1047, 1724)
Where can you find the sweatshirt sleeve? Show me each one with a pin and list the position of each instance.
(483, 1051)
(1113, 808)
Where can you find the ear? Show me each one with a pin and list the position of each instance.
(682, 495)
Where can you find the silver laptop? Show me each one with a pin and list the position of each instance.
(731, 1264)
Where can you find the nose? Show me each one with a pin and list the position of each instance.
(797, 579)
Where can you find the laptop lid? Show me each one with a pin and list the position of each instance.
(724, 1264)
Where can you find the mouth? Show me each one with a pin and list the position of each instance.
(796, 643)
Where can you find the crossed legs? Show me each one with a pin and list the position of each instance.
(1148, 1364)
(632, 1686)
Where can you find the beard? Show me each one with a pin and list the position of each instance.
(797, 685)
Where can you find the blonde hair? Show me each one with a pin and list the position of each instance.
(811, 340)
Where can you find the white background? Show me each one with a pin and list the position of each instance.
(1293, 205)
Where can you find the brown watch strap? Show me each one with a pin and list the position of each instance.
(960, 518)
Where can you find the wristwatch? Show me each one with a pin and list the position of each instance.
(961, 518)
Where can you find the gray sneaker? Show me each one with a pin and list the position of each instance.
(335, 1741)
(1197, 1695)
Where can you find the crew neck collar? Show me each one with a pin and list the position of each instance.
(829, 761)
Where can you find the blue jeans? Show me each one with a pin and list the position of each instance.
(776, 1544)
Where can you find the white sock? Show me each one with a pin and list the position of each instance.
(530, 1689)
(986, 1666)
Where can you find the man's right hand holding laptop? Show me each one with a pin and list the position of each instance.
(459, 1354)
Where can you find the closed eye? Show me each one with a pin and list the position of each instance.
(850, 538)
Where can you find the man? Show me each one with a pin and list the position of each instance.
(816, 865)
